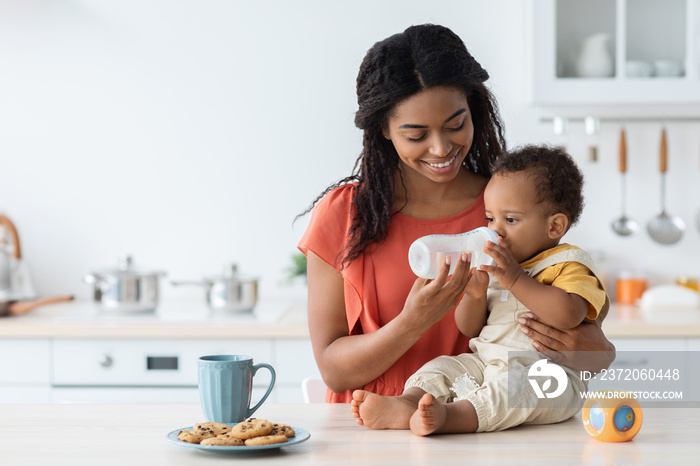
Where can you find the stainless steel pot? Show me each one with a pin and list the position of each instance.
(229, 292)
(125, 288)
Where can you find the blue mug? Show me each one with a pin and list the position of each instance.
(226, 386)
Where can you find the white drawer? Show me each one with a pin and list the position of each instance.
(24, 361)
(145, 362)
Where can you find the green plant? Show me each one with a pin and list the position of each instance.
(298, 266)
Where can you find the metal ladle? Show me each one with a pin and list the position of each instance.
(697, 220)
(664, 228)
(623, 226)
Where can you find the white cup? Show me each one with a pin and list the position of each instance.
(639, 69)
(668, 68)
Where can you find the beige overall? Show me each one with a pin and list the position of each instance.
(483, 376)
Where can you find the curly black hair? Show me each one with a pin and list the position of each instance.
(392, 71)
(558, 180)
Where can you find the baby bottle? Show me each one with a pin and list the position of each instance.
(426, 254)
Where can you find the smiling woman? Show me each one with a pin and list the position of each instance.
(431, 132)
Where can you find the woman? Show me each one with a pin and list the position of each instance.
(431, 133)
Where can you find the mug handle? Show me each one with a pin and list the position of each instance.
(269, 389)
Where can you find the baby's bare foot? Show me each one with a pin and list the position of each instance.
(358, 396)
(381, 412)
(430, 416)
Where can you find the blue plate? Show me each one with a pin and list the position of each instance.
(301, 436)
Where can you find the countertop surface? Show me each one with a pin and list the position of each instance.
(181, 319)
(88, 434)
(276, 319)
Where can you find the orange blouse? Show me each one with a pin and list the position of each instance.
(377, 283)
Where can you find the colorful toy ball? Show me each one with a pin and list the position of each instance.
(612, 416)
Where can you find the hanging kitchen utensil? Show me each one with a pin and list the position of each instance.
(19, 284)
(697, 220)
(591, 126)
(623, 226)
(664, 228)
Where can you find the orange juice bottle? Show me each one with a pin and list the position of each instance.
(629, 287)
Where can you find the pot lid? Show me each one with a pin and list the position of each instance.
(126, 267)
(230, 274)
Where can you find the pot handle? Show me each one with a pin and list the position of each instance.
(187, 282)
(23, 307)
(13, 232)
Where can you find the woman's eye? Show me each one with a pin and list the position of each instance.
(416, 139)
(457, 128)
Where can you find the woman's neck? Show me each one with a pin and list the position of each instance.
(419, 197)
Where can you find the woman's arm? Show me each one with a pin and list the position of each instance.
(581, 348)
(349, 361)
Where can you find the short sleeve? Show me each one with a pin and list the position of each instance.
(326, 234)
(578, 279)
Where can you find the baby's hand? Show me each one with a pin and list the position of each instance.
(507, 270)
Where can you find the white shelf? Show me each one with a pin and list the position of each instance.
(640, 30)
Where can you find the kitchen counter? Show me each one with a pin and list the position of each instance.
(183, 319)
(92, 434)
(628, 321)
(276, 319)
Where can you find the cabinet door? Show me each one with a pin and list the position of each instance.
(24, 371)
(24, 362)
(615, 52)
(648, 365)
(294, 359)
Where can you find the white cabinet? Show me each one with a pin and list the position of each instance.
(294, 362)
(24, 371)
(145, 363)
(652, 47)
(659, 355)
(165, 370)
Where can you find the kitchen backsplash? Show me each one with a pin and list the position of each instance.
(189, 134)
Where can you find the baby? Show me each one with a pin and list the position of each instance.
(533, 198)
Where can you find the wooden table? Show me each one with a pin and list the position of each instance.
(85, 434)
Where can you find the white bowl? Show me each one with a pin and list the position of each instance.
(668, 68)
(639, 69)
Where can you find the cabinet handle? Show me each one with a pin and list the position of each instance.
(106, 361)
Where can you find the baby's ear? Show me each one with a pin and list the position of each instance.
(558, 224)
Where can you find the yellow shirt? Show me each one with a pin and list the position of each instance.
(572, 277)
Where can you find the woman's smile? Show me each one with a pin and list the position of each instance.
(445, 164)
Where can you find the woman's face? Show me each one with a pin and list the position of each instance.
(432, 132)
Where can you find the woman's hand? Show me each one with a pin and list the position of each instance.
(583, 348)
(347, 361)
(429, 300)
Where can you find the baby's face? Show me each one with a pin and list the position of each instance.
(513, 212)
